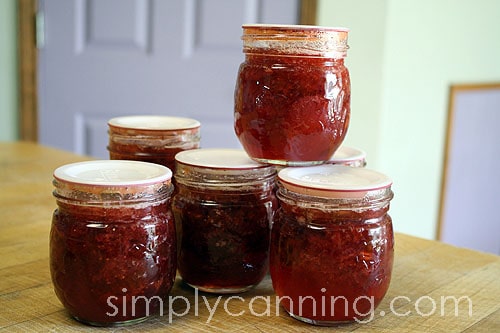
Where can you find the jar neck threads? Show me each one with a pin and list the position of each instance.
(372, 200)
(109, 183)
(185, 139)
(227, 180)
(111, 196)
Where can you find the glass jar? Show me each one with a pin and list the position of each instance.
(112, 240)
(349, 156)
(292, 89)
(223, 208)
(153, 139)
(332, 243)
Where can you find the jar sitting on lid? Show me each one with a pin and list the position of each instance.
(154, 139)
(223, 208)
(292, 94)
(332, 243)
(112, 240)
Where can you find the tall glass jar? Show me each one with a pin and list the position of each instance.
(153, 139)
(112, 240)
(332, 243)
(223, 209)
(292, 90)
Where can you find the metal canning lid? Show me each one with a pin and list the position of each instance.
(347, 154)
(113, 173)
(152, 123)
(218, 158)
(333, 181)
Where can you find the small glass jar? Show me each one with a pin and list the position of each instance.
(154, 139)
(292, 90)
(223, 208)
(349, 156)
(112, 240)
(332, 243)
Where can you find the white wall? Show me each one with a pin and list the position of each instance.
(404, 56)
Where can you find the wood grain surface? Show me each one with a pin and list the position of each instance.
(435, 287)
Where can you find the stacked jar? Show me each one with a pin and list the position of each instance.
(331, 248)
(292, 95)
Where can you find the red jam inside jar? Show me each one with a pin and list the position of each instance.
(332, 243)
(155, 139)
(292, 90)
(112, 241)
(223, 209)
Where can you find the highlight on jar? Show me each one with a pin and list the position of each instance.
(332, 242)
(292, 93)
(112, 234)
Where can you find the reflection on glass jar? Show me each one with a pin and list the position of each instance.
(332, 243)
(113, 240)
(154, 139)
(292, 94)
(223, 208)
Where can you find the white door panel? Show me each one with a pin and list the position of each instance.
(108, 58)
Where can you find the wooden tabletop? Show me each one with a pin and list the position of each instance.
(435, 287)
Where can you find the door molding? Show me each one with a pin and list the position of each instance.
(27, 70)
(28, 62)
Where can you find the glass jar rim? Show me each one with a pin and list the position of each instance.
(112, 173)
(114, 182)
(229, 159)
(153, 123)
(293, 27)
(333, 181)
(223, 169)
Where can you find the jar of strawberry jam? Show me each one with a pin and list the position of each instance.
(112, 240)
(292, 94)
(223, 208)
(331, 252)
(153, 139)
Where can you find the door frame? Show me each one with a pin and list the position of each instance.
(28, 62)
(27, 70)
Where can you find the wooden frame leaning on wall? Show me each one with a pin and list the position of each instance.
(469, 106)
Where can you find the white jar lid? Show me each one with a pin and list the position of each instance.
(113, 173)
(333, 181)
(218, 158)
(154, 122)
(345, 154)
(294, 27)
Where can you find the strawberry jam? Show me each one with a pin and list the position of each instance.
(332, 243)
(292, 94)
(223, 209)
(112, 241)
